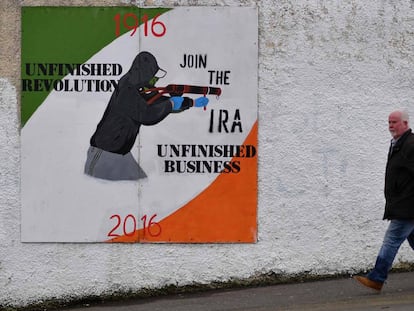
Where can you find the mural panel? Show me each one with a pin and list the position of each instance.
(139, 124)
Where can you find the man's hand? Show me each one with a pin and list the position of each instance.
(201, 102)
(181, 103)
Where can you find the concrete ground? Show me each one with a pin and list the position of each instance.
(339, 294)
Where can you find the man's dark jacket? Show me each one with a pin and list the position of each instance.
(399, 179)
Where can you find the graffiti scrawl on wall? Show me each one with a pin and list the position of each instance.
(139, 124)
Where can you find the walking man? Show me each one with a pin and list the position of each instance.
(399, 197)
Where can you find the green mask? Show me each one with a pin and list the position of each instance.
(153, 81)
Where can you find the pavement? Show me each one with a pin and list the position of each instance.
(328, 295)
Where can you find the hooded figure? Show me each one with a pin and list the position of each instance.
(109, 155)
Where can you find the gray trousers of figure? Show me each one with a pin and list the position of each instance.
(112, 166)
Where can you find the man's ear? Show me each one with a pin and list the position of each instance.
(406, 124)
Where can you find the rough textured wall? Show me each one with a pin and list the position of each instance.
(329, 74)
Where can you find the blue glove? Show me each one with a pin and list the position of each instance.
(177, 102)
(181, 103)
(201, 102)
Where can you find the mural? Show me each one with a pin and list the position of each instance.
(139, 124)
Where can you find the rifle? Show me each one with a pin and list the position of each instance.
(180, 89)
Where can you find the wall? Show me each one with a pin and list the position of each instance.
(329, 74)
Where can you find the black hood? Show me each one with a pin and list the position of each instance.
(143, 69)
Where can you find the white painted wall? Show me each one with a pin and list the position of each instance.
(329, 74)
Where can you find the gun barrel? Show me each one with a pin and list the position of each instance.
(193, 89)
